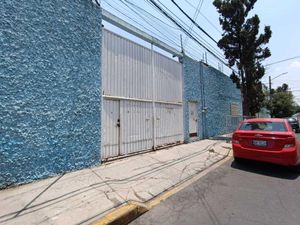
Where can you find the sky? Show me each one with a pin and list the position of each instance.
(282, 16)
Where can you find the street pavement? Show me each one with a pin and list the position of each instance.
(249, 193)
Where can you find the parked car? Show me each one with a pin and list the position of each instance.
(293, 121)
(269, 140)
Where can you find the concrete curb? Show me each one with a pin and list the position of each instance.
(132, 210)
(123, 215)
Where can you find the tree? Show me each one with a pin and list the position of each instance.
(244, 48)
(297, 108)
(283, 88)
(282, 102)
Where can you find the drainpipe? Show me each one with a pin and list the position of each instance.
(153, 98)
(203, 102)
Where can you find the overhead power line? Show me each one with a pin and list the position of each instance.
(185, 31)
(194, 18)
(150, 14)
(211, 23)
(270, 64)
(141, 25)
(194, 22)
(208, 45)
(143, 16)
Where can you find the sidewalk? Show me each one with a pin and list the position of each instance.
(84, 196)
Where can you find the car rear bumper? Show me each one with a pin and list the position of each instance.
(286, 157)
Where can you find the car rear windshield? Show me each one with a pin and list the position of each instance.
(266, 126)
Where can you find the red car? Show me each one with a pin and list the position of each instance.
(267, 140)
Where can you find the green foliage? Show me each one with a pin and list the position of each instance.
(283, 88)
(244, 48)
(282, 102)
(297, 109)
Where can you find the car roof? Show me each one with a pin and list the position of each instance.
(265, 120)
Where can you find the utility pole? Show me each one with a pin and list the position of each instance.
(270, 95)
(270, 87)
(181, 44)
(270, 82)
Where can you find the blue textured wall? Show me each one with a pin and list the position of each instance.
(220, 92)
(50, 88)
(212, 89)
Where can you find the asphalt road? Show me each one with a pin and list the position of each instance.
(249, 193)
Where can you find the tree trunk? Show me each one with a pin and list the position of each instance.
(245, 97)
(246, 111)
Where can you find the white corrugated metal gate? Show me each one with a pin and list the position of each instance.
(142, 98)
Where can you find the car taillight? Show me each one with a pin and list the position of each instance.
(291, 143)
(288, 146)
(234, 141)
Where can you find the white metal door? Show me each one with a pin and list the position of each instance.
(168, 124)
(111, 129)
(193, 119)
(136, 126)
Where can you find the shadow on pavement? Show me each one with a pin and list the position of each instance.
(266, 169)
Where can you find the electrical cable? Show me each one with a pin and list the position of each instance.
(144, 11)
(134, 5)
(185, 31)
(194, 22)
(141, 16)
(134, 21)
(194, 18)
(282, 61)
(214, 49)
(216, 28)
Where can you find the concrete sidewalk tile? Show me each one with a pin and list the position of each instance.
(18, 197)
(131, 189)
(73, 211)
(68, 191)
(130, 167)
